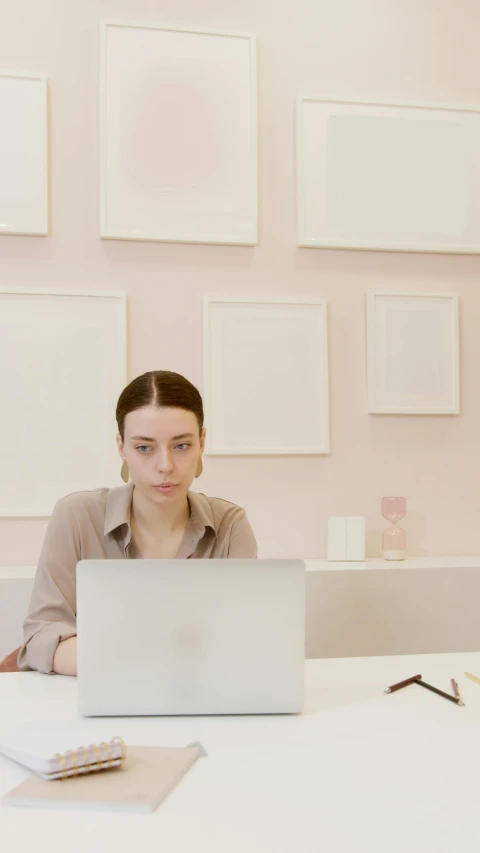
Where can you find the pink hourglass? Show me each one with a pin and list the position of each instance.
(394, 539)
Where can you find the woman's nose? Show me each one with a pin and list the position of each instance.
(164, 462)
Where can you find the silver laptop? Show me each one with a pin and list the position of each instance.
(190, 636)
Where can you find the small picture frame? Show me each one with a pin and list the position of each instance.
(413, 353)
(266, 375)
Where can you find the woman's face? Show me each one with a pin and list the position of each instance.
(162, 447)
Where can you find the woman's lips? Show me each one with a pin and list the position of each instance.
(165, 487)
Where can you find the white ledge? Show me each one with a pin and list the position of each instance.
(9, 572)
(445, 562)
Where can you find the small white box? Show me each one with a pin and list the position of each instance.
(346, 538)
(337, 537)
(355, 549)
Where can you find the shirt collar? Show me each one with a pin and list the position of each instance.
(119, 501)
(117, 510)
(201, 515)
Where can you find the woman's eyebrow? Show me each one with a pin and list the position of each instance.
(174, 437)
(141, 438)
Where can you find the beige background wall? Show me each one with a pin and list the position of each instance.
(422, 50)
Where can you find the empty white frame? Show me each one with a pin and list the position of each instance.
(403, 177)
(23, 153)
(178, 125)
(62, 367)
(266, 375)
(413, 353)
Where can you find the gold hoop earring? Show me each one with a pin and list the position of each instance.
(124, 473)
(199, 470)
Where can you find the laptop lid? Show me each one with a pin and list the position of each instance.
(190, 636)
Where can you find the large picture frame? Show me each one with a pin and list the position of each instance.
(63, 366)
(178, 134)
(23, 153)
(385, 176)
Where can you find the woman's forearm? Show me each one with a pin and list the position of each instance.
(65, 658)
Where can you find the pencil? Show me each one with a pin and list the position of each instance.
(473, 677)
(456, 691)
(440, 692)
(400, 684)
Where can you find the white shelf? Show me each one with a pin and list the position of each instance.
(445, 562)
(14, 572)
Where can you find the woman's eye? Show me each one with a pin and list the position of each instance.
(182, 446)
(142, 447)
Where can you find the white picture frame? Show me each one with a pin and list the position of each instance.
(388, 176)
(62, 368)
(23, 153)
(266, 383)
(178, 134)
(413, 364)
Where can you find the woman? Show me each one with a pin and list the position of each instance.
(161, 439)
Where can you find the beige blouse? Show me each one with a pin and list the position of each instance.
(96, 526)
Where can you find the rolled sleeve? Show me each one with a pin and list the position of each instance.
(52, 611)
(242, 541)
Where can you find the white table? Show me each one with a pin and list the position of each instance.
(358, 771)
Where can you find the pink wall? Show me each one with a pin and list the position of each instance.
(377, 49)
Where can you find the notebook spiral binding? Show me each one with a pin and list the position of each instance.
(70, 757)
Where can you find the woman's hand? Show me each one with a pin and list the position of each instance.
(65, 658)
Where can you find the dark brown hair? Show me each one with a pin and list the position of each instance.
(159, 388)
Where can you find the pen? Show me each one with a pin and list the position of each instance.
(440, 692)
(456, 691)
(400, 684)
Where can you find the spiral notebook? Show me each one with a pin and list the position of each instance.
(131, 778)
(143, 780)
(51, 766)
